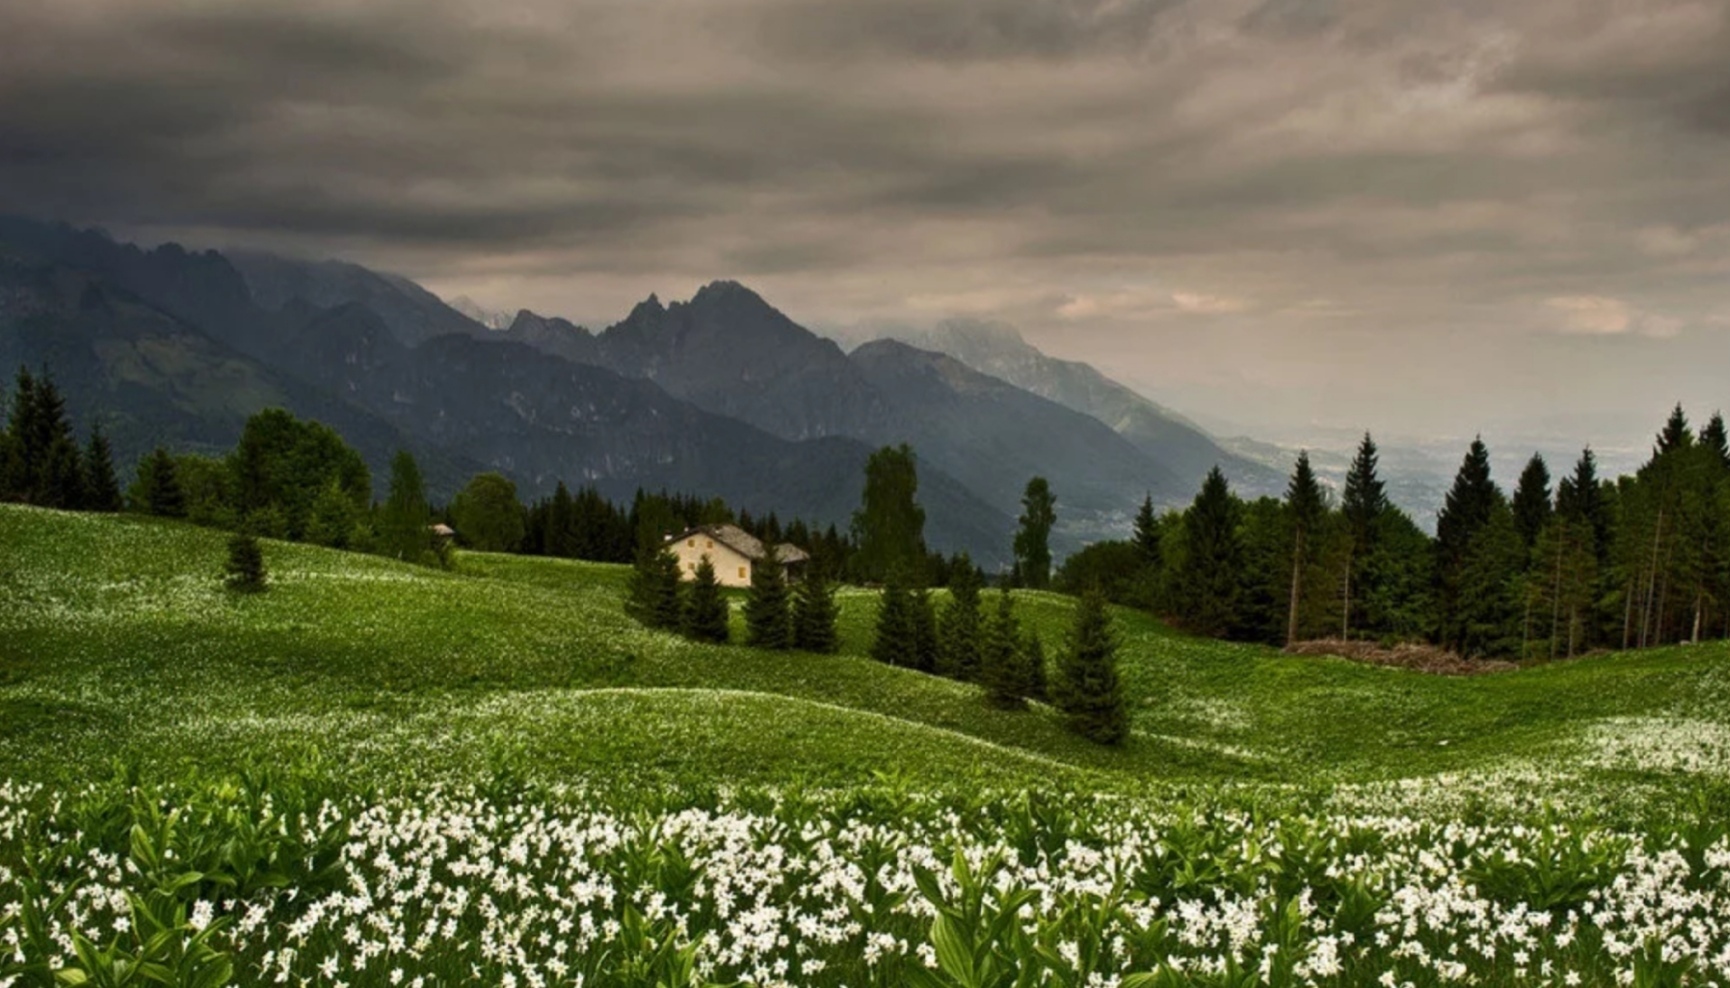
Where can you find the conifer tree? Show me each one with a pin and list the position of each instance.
(1469, 505)
(1033, 538)
(653, 595)
(925, 645)
(1210, 575)
(17, 466)
(1087, 688)
(889, 525)
(1147, 534)
(1306, 506)
(1488, 612)
(1363, 503)
(245, 571)
(1033, 654)
(814, 614)
(1003, 668)
(1532, 500)
(705, 616)
(101, 486)
(404, 521)
(958, 627)
(159, 486)
(895, 643)
(1715, 438)
(768, 610)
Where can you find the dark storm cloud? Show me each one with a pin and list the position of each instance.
(1176, 185)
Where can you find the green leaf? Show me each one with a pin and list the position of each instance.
(71, 976)
(954, 954)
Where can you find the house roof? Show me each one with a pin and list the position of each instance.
(746, 544)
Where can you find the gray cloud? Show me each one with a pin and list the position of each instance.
(1269, 211)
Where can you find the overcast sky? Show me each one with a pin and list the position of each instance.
(1414, 216)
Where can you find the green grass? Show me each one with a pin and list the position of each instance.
(117, 642)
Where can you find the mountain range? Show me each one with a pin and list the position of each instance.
(722, 394)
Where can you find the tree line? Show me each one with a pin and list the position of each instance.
(1557, 568)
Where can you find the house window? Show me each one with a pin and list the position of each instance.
(691, 566)
(692, 544)
(710, 544)
(742, 573)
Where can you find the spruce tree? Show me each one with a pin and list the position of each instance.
(404, 521)
(705, 606)
(1210, 576)
(63, 473)
(958, 625)
(1306, 506)
(1467, 509)
(1033, 654)
(814, 614)
(1033, 538)
(889, 526)
(654, 591)
(1003, 669)
(1715, 438)
(1362, 505)
(1087, 689)
(1676, 435)
(768, 610)
(925, 645)
(1147, 534)
(1532, 500)
(159, 485)
(101, 486)
(17, 469)
(245, 567)
(895, 642)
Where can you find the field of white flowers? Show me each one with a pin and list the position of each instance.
(261, 882)
(493, 777)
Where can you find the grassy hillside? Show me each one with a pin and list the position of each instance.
(379, 775)
(117, 641)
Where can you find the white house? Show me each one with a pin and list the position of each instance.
(733, 552)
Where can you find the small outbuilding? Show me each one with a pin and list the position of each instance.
(733, 552)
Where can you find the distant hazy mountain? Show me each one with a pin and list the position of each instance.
(994, 436)
(555, 336)
(413, 314)
(540, 419)
(1175, 443)
(152, 379)
(729, 351)
(187, 356)
(474, 310)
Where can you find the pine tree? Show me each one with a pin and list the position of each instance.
(1033, 654)
(159, 486)
(1002, 669)
(63, 473)
(958, 626)
(1715, 438)
(1033, 538)
(1532, 500)
(18, 466)
(245, 568)
(705, 617)
(925, 645)
(889, 526)
(1147, 534)
(654, 592)
(1488, 611)
(1362, 505)
(404, 521)
(768, 612)
(101, 486)
(1210, 574)
(895, 643)
(1306, 506)
(1087, 689)
(814, 614)
(1676, 435)
(1467, 509)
